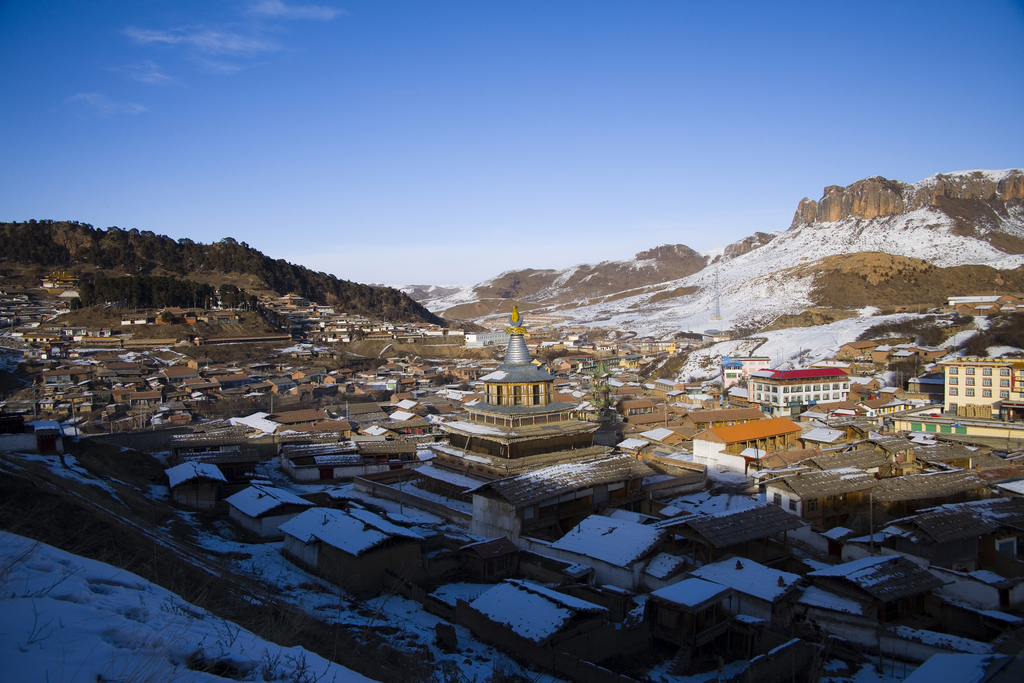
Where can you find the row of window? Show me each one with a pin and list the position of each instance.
(953, 381)
(801, 388)
(1003, 372)
(985, 393)
(799, 399)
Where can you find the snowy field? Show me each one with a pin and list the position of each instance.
(68, 619)
(800, 346)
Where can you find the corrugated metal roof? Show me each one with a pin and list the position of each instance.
(547, 482)
(929, 485)
(749, 431)
(886, 578)
(730, 528)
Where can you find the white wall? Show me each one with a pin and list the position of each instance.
(307, 553)
(493, 518)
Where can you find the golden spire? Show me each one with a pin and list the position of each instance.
(517, 322)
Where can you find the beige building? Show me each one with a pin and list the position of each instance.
(981, 387)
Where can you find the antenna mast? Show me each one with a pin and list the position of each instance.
(718, 299)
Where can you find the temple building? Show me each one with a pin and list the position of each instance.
(518, 426)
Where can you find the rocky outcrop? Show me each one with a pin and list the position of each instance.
(593, 281)
(748, 244)
(878, 197)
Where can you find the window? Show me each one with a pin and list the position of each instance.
(953, 406)
(987, 372)
(812, 505)
(517, 394)
(970, 381)
(969, 392)
(817, 387)
(1004, 382)
(952, 381)
(1004, 394)
(953, 371)
(835, 386)
(835, 397)
(536, 394)
(1004, 372)
(986, 393)
(969, 371)
(498, 393)
(1007, 547)
(777, 499)
(986, 382)
(817, 397)
(953, 391)
(792, 504)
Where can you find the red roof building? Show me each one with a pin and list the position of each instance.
(790, 392)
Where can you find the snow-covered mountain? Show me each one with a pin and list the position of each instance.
(874, 242)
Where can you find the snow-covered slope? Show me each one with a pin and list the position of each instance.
(966, 218)
(71, 619)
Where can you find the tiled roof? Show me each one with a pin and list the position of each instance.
(730, 528)
(929, 485)
(548, 482)
(749, 431)
(886, 578)
(826, 483)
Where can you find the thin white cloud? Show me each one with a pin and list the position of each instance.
(146, 72)
(100, 105)
(208, 40)
(276, 8)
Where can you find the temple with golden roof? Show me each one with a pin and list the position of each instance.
(518, 426)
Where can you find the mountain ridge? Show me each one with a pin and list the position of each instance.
(85, 251)
(952, 220)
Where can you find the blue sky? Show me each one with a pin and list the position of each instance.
(444, 142)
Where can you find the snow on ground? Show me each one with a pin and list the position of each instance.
(10, 359)
(67, 467)
(798, 345)
(70, 619)
(415, 626)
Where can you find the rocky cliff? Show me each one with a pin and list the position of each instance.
(878, 197)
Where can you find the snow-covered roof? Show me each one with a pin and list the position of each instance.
(823, 435)
(816, 597)
(691, 592)
(257, 421)
(494, 376)
(401, 416)
(628, 444)
(664, 565)
(406, 404)
(354, 531)
(454, 478)
(748, 577)
(530, 610)
(616, 541)
(187, 471)
(964, 668)
(657, 434)
(887, 578)
(258, 500)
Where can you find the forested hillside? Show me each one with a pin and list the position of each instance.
(80, 248)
